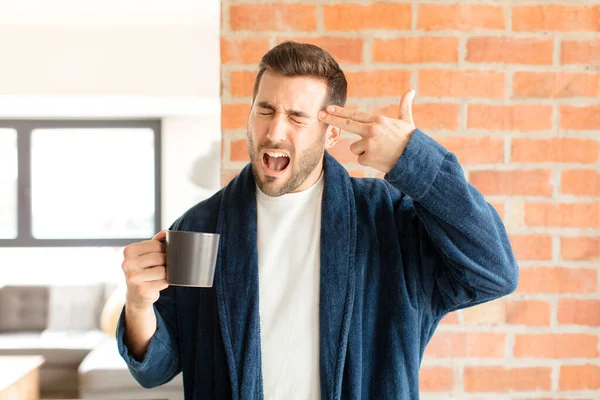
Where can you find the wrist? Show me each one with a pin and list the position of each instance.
(137, 309)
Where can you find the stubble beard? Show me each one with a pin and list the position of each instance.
(304, 164)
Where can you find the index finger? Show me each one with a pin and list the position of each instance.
(160, 236)
(354, 115)
(346, 120)
(140, 248)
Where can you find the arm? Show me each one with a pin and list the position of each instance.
(464, 256)
(147, 328)
(471, 258)
(160, 362)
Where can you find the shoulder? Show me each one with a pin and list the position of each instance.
(374, 189)
(202, 217)
(376, 193)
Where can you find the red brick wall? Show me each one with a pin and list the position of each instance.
(512, 88)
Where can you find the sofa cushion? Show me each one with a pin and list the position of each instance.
(75, 307)
(23, 308)
(105, 370)
(31, 308)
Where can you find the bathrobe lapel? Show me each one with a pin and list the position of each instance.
(236, 281)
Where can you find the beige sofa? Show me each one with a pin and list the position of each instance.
(104, 375)
(62, 323)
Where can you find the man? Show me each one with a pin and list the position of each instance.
(326, 286)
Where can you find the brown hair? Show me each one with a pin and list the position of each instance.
(302, 59)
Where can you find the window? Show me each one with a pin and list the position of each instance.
(79, 182)
(8, 183)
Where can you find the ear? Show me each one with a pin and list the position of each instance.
(332, 136)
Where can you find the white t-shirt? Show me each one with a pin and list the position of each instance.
(289, 243)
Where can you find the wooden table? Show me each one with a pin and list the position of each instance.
(20, 377)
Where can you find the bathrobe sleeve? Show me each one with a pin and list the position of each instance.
(463, 256)
(161, 362)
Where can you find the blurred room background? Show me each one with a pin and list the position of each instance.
(117, 116)
(154, 64)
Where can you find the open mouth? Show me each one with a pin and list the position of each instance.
(275, 162)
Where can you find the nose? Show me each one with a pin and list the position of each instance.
(277, 129)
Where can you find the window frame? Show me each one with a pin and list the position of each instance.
(24, 129)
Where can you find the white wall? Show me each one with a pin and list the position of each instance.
(122, 59)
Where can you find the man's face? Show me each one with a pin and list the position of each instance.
(286, 141)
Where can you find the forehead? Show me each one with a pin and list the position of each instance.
(301, 92)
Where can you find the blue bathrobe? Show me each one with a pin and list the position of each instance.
(396, 256)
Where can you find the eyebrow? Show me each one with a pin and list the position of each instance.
(297, 113)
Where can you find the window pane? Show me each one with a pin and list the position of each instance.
(29, 265)
(92, 183)
(8, 183)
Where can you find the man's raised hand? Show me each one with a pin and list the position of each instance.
(382, 140)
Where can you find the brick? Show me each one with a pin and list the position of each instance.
(433, 17)
(554, 345)
(428, 116)
(243, 50)
(522, 118)
(450, 319)
(461, 84)
(475, 150)
(490, 313)
(556, 18)
(507, 50)
(358, 17)
(556, 150)
(238, 150)
(241, 83)
(234, 116)
(499, 206)
(579, 377)
(531, 247)
(512, 183)
(580, 182)
(557, 280)
(585, 52)
(378, 83)
(465, 344)
(344, 50)
(273, 16)
(500, 379)
(416, 50)
(436, 379)
(341, 151)
(580, 118)
(553, 85)
(579, 312)
(580, 248)
(563, 215)
(227, 176)
(550, 398)
(528, 313)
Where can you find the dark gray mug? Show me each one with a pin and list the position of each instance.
(191, 258)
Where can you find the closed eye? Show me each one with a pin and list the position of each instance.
(293, 120)
(297, 122)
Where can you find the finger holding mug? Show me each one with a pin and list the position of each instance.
(145, 271)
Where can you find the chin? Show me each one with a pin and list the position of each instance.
(274, 185)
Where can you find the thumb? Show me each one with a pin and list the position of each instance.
(406, 106)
